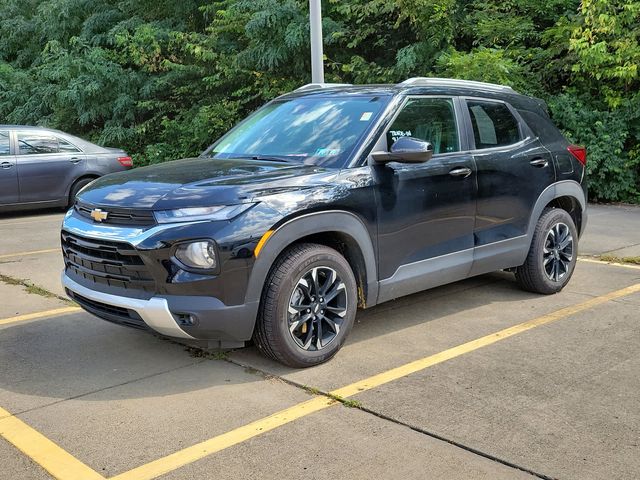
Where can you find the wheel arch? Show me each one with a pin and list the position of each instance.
(341, 230)
(567, 195)
(84, 176)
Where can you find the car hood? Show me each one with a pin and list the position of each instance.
(194, 182)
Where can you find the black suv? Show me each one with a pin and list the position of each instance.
(327, 199)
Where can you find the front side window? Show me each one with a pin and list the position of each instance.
(429, 119)
(313, 130)
(5, 143)
(32, 144)
(493, 124)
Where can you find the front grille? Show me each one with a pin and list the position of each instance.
(112, 313)
(115, 264)
(118, 216)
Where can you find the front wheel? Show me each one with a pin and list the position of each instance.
(308, 306)
(552, 255)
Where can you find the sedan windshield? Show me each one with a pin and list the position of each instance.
(312, 130)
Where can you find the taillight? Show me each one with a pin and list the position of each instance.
(579, 152)
(125, 161)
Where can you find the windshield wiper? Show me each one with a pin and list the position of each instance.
(266, 158)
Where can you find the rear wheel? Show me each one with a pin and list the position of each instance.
(552, 255)
(77, 186)
(308, 306)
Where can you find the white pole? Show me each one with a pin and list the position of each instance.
(315, 23)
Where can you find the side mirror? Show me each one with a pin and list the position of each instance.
(406, 150)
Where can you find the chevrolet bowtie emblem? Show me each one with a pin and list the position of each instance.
(98, 215)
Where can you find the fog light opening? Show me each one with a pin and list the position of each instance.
(186, 319)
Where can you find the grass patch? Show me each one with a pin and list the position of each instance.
(210, 354)
(312, 390)
(614, 259)
(345, 401)
(32, 289)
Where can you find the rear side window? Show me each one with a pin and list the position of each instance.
(31, 144)
(493, 124)
(66, 147)
(429, 119)
(5, 144)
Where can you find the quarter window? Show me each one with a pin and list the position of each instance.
(493, 124)
(5, 143)
(31, 144)
(66, 147)
(429, 119)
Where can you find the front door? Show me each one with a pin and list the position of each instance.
(8, 170)
(47, 166)
(425, 211)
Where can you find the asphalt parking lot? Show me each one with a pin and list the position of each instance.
(475, 380)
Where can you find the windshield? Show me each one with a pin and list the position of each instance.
(312, 130)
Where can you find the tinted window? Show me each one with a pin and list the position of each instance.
(64, 146)
(493, 124)
(313, 130)
(31, 144)
(430, 119)
(5, 144)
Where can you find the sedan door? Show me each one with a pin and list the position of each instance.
(8, 171)
(426, 211)
(47, 166)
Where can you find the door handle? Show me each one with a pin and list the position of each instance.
(463, 172)
(6, 165)
(539, 162)
(75, 160)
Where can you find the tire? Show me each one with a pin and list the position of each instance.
(552, 255)
(76, 187)
(287, 327)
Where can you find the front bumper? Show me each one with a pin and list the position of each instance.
(228, 325)
(154, 312)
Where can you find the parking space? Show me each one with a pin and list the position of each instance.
(473, 380)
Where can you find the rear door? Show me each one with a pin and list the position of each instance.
(8, 170)
(513, 170)
(47, 166)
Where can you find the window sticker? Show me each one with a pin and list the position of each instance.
(396, 134)
(366, 116)
(327, 152)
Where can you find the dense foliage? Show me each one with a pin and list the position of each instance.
(163, 78)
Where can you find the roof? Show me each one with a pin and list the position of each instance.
(423, 86)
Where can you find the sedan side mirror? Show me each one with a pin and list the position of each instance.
(405, 150)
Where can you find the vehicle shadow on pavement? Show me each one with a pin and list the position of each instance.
(401, 329)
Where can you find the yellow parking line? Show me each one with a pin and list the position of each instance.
(59, 463)
(226, 440)
(34, 316)
(233, 437)
(33, 252)
(615, 264)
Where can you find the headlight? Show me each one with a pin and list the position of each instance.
(219, 212)
(199, 254)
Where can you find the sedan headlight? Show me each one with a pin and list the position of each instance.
(218, 212)
(198, 254)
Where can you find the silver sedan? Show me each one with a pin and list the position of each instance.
(40, 167)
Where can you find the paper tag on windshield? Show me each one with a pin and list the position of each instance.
(366, 116)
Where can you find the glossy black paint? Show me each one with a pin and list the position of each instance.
(411, 212)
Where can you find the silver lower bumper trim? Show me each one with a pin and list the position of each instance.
(155, 311)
